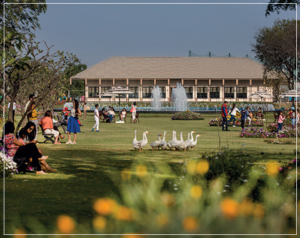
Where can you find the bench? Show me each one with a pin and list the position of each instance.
(48, 137)
(63, 124)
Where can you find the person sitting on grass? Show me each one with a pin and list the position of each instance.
(96, 117)
(47, 125)
(16, 149)
(280, 121)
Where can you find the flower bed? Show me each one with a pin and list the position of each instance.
(188, 115)
(214, 122)
(254, 132)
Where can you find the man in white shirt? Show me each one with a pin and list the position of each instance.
(96, 117)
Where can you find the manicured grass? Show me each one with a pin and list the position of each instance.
(85, 169)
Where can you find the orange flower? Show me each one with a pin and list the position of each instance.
(124, 213)
(126, 174)
(65, 224)
(202, 167)
(105, 206)
(162, 219)
(196, 191)
(258, 211)
(246, 207)
(20, 233)
(229, 208)
(141, 171)
(168, 200)
(99, 223)
(191, 167)
(133, 236)
(272, 168)
(190, 224)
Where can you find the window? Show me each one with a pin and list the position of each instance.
(214, 92)
(202, 92)
(147, 92)
(241, 92)
(135, 91)
(163, 92)
(229, 92)
(93, 92)
(189, 92)
(104, 89)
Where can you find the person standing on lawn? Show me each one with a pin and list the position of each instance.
(96, 117)
(14, 108)
(293, 118)
(224, 116)
(31, 98)
(248, 115)
(233, 114)
(280, 121)
(33, 117)
(73, 125)
(243, 118)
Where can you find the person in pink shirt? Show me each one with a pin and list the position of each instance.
(280, 121)
(47, 125)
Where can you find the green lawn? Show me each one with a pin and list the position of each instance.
(85, 169)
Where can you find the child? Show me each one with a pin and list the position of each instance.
(96, 117)
(280, 121)
(243, 118)
(123, 115)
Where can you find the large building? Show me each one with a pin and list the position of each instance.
(204, 78)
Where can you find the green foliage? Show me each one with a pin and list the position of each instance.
(277, 5)
(188, 115)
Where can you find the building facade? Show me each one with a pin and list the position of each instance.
(204, 78)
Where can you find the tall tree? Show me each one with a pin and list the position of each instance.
(275, 47)
(277, 5)
(77, 87)
(20, 16)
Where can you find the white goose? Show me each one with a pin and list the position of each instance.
(185, 144)
(156, 144)
(194, 143)
(143, 142)
(192, 138)
(172, 143)
(163, 144)
(135, 141)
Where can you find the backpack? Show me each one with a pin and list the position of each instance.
(22, 164)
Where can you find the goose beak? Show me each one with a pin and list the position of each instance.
(199, 135)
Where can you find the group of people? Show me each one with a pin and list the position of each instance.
(293, 115)
(245, 115)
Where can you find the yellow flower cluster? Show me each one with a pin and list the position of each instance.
(65, 224)
(200, 168)
(272, 168)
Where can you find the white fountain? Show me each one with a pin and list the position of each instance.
(155, 98)
(179, 98)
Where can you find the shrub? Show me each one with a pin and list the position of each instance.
(188, 115)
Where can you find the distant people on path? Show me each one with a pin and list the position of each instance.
(133, 111)
(232, 113)
(96, 117)
(73, 125)
(280, 121)
(224, 116)
(14, 108)
(33, 117)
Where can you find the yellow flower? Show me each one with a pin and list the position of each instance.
(99, 223)
(124, 213)
(246, 207)
(196, 191)
(20, 233)
(272, 168)
(162, 219)
(168, 200)
(258, 211)
(190, 224)
(141, 171)
(132, 236)
(126, 174)
(105, 206)
(65, 224)
(191, 167)
(229, 208)
(202, 167)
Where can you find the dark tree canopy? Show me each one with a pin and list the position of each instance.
(275, 47)
(22, 17)
(281, 5)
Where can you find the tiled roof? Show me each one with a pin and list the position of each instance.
(174, 67)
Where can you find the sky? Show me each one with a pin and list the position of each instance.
(96, 32)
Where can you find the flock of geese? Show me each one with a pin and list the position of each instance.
(161, 143)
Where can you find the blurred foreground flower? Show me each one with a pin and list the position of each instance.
(124, 213)
(229, 208)
(191, 167)
(196, 191)
(258, 211)
(162, 219)
(245, 208)
(20, 233)
(202, 167)
(190, 224)
(105, 206)
(141, 171)
(167, 199)
(65, 224)
(126, 174)
(99, 223)
(272, 168)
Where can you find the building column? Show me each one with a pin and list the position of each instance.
(236, 83)
(141, 90)
(250, 89)
(182, 82)
(208, 91)
(223, 83)
(196, 82)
